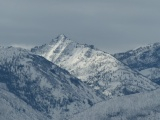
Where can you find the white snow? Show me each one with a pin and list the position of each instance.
(133, 107)
(12, 108)
(144, 59)
(93, 66)
(55, 91)
(151, 73)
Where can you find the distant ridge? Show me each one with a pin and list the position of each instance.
(98, 69)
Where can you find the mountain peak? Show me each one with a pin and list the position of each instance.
(61, 36)
(96, 68)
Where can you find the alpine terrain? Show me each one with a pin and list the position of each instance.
(13, 108)
(96, 68)
(139, 106)
(144, 60)
(31, 87)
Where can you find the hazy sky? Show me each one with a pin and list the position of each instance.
(110, 25)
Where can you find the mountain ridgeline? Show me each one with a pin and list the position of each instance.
(43, 85)
(96, 68)
(66, 80)
(144, 60)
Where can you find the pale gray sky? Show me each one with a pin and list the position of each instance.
(110, 25)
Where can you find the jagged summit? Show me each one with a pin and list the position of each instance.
(98, 69)
(61, 37)
(64, 38)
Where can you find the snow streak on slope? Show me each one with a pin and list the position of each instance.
(13, 108)
(133, 107)
(43, 85)
(144, 59)
(98, 69)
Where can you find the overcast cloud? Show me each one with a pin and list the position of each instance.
(110, 25)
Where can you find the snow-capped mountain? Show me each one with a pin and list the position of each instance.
(132, 107)
(98, 69)
(13, 108)
(43, 85)
(144, 59)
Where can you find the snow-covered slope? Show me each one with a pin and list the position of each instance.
(133, 107)
(98, 69)
(144, 59)
(43, 85)
(13, 108)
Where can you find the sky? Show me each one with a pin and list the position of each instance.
(110, 25)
